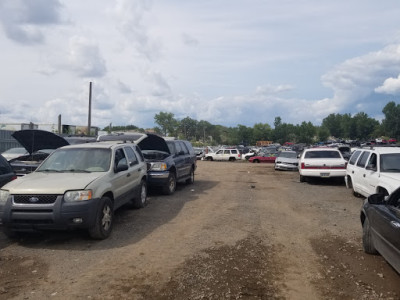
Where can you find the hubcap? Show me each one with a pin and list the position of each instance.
(107, 218)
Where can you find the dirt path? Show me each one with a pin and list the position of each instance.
(242, 231)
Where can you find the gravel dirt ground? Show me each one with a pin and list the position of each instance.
(241, 231)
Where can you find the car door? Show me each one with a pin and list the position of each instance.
(179, 159)
(135, 169)
(187, 165)
(121, 181)
(359, 174)
(371, 174)
(385, 225)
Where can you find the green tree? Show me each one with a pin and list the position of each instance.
(188, 128)
(391, 122)
(365, 125)
(322, 133)
(261, 132)
(168, 124)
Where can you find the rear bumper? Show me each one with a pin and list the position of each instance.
(323, 173)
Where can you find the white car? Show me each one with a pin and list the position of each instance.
(374, 170)
(322, 163)
(287, 160)
(224, 154)
(14, 153)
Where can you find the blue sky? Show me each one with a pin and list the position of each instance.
(227, 62)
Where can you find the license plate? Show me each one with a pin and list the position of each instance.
(324, 174)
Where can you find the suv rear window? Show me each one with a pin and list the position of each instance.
(322, 154)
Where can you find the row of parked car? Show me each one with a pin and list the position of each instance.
(80, 185)
(372, 172)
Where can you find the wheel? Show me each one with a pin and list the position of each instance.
(104, 220)
(140, 200)
(368, 243)
(191, 179)
(303, 178)
(209, 158)
(170, 188)
(232, 159)
(256, 161)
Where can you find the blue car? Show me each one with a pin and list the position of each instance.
(380, 219)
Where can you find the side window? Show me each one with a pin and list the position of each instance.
(141, 157)
(171, 146)
(132, 159)
(372, 162)
(354, 157)
(234, 151)
(184, 148)
(120, 158)
(178, 147)
(363, 159)
(189, 147)
(220, 152)
(227, 152)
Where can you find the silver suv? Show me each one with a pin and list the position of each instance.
(77, 186)
(374, 170)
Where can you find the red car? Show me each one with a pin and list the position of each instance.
(263, 158)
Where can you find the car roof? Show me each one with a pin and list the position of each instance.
(382, 150)
(97, 145)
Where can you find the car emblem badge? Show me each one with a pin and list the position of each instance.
(33, 199)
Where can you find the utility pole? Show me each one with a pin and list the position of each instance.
(90, 109)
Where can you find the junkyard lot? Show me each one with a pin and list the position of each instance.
(241, 231)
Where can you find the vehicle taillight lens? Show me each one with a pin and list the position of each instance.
(302, 165)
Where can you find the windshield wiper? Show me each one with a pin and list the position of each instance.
(78, 171)
(50, 170)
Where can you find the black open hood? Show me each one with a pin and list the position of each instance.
(153, 142)
(33, 139)
(145, 141)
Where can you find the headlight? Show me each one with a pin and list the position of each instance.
(4, 196)
(73, 196)
(158, 166)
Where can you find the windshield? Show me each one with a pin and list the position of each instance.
(77, 160)
(390, 162)
(288, 154)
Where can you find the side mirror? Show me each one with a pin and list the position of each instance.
(121, 167)
(376, 199)
(181, 153)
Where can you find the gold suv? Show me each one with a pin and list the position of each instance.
(77, 186)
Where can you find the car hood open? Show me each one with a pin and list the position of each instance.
(145, 141)
(34, 139)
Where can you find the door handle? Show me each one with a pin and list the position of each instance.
(363, 175)
(128, 175)
(395, 224)
(352, 172)
(140, 169)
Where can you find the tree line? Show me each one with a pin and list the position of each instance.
(359, 127)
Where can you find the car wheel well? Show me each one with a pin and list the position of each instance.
(110, 195)
(382, 190)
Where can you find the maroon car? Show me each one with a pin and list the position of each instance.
(263, 158)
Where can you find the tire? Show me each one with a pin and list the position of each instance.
(170, 187)
(232, 159)
(140, 200)
(209, 158)
(104, 220)
(191, 179)
(303, 178)
(368, 243)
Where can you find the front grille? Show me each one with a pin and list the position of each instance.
(35, 199)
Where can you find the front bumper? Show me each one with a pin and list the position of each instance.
(286, 167)
(155, 178)
(58, 215)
